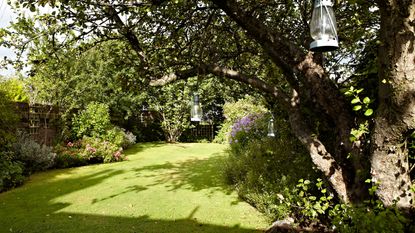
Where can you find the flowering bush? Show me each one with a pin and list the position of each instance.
(249, 127)
(235, 112)
(87, 151)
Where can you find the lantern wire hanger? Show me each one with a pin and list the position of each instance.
(323, 27)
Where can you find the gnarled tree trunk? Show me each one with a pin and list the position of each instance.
(395, 117)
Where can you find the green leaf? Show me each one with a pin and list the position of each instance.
(366, 100)
(369, 112)
(355, 100)
(357, 107)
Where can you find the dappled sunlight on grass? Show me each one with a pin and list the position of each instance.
(162, 188)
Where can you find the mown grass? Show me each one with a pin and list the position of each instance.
(161, 188)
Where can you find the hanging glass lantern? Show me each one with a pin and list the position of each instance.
(196, 111)
(271, 128)
(323, 27)
(143, 115)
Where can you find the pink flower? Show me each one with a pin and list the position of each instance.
(91, 149)
(70, 144)
(117, 155)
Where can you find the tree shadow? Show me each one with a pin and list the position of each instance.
(139, 147)
(74, 222)
(34, 206)
(192, 174)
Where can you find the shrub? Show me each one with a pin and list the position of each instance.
(69, 155)
(35, 157)
(8, 121)
(11, 172)
(87, 151)
(367, 220)
(264, 169)
(120, 137)
(234, 112)
(101, 149)
(94, 121)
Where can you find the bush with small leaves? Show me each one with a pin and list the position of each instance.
(11, 172)
(35, 157)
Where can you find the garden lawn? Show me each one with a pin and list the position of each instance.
(161, 188)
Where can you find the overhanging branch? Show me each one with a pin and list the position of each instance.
(225, 73)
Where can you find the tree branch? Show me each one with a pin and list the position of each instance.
(226, 73)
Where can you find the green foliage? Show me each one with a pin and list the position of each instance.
(234, 111)
(11, 172)
(366, 220)
(94, 121)
(357, 102)
(8, 121)
(15, 88)
(120, 137)
(360, 104)
(87, 151)
(263, 169)
(33, 156)
(310, 207)
(172, 103)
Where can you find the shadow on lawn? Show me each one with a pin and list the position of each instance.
(32, 208)
(68, 223)
(192, 174)
(139, 147)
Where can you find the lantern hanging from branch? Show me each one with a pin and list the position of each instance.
(196, 110)
(323, 27)
(271, 128)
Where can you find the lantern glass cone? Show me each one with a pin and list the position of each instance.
(196, 111)
(271, 129)
(323, 27)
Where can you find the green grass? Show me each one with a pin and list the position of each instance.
(161, 188)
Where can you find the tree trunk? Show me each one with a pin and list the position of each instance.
(395, 116)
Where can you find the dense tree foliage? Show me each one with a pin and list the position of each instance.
(265, 44)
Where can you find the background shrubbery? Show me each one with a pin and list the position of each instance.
(95, 139)
(276, 175)
(264, 170)
(233, 112)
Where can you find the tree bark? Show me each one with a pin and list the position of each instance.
(395, 116)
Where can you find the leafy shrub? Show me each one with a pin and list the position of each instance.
(366, 220)
(264, 169)
(87, 151)
(70, 155)
(234, 112)
(11, 172)
(101, 149)
(311, 203)
(120, 137)
(35, 157)
(94, 121)
(8, 121)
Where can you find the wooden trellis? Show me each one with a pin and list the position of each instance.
(39, 121)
